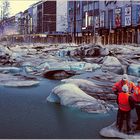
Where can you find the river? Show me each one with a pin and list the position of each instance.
(25, 114)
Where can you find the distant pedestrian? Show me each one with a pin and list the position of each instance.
(82, 53)
(68, 53)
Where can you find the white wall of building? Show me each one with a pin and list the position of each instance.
(34, 18)
(61, 16)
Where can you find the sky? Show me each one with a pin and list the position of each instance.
(20, 5)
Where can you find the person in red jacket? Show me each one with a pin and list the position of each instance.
(125, 104)
(117, 88)
(136, 97)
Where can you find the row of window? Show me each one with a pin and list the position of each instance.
(121, 16)
(91, 6)
(86, 6)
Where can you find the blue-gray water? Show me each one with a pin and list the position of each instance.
(25, 114)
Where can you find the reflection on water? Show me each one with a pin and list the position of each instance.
(26, 114)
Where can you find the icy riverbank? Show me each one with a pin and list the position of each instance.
(101, 65)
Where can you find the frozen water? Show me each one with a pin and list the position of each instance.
(16, 81)
(112, 64)
(53, 98)
(7, 77)
(16, 56)
(112, 132)
(75, 66)
(81, 83)
(72, 96)
(134, 69)
(20, 83)
(85, 85)
(10, 69)
(111, 61)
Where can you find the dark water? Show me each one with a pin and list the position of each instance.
(25, 114)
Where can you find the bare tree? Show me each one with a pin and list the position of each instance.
(5, 5)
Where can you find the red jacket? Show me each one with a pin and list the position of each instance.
(136, 95)
(118, 86)
(123, 101)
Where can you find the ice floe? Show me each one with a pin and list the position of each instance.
(72, 96)
(20, 83)
(134, 69)
(112, 64)
(17, 80)
(112, 132)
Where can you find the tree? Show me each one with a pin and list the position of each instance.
(5, 5)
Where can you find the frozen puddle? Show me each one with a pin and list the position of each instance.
(112, 132)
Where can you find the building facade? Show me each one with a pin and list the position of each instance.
(111, 22)
(75, 20)
(61, 16)
(114, 22)
(45, 20)
(46, 17)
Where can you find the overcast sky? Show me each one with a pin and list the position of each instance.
(20, 5)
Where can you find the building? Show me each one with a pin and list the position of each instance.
(46, 17)
(30, 20)
(9, 26)
(113, 22)
(34, 17)
(120, 22)
(74, 18)
(90, 20)
(18, 21)
(61, 16)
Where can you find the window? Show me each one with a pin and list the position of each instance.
(85, 8)
(102, 19)
(84, 21)
(79, 23)
(78, 11)
(91, 6)
(96, 20)
(71, 12)
(90, 20)
(78, 8)
(96, 5)
(110, 18)
(70, 3)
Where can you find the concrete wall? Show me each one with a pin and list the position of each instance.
(35, 19)
(61, 16)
